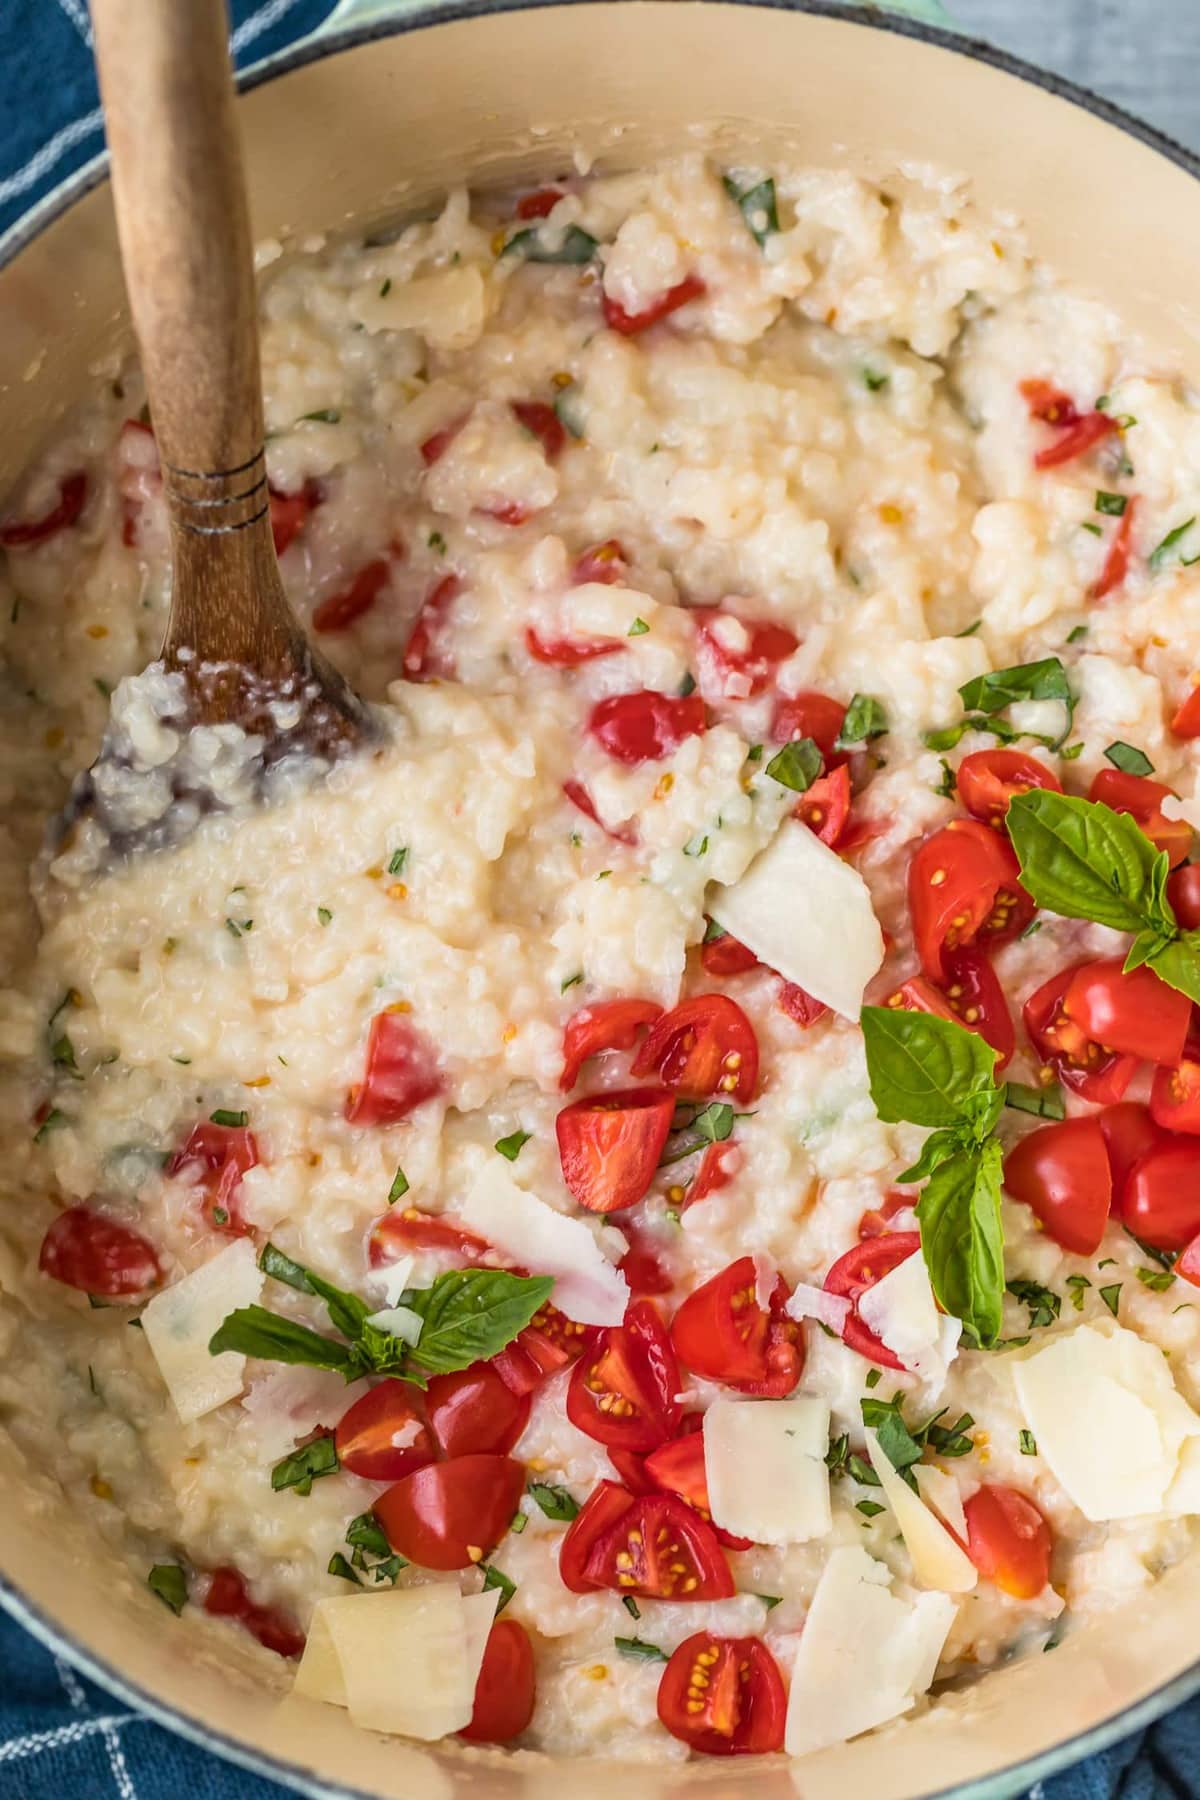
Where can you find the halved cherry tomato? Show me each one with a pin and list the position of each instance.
(642, 1266)
(223, 1153)
(735, 657)
(424, 658)
(505, 1687)
(474, 1412)
(799, 1004)
(538, 204)
(87, 1250)
(1161, 1203)
(624, 1388)
(289, 513)
(229, 1598)
(1175, 1095)
(1116, 563)
(1062, 1173)
(919, 995)
(722, 1332)
(988, 779)
(825, 806)
(1088, 1069)
(608, 1025)
(723, 1696)
(1186, 720)
(877, 1220)
(660, 1550)
(725, 956)
(646, 726)
(860, 1268)
(609, 1145)
(1129, 1132)
(703, 1047)
(1008, 1540)
(542, 422)
(408, 1229)
(23, 534)
(605, 563)
(632, 1470)
(964, 888)
(548, 1343)
(566, 653)
(448, 1515)
(629, 324)
(344, 609)
(678, 1468)
(606, 1503)
(1136, 1014)
(384, 1436)
(1183, 891)
(978, 1001)
(1142, 799)
(1187, 1263)
(718, 1166)
(579, 797)
(810, 715)
(1048, 403)
(401, 1073)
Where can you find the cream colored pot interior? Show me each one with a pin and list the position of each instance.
(368, 133)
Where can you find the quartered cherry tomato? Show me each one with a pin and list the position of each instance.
(977, 1000)
(723, 955)
(221, 1154)
(1135, 1014)
(723, 1696)
(448, 1515)
(543, 423)
(630, 324)
(548, 1343)
(1161, 1202)
(678, 1468)
(1120, 548)
(810, 715)
(505, 1688)
(605, 1505)
(799, 1004)
(646, 726)
(825, 806)
(1142, 799)
(1183, 890)
(736, 658)
(624, 1388)
(384, 1435)
(24, 534)
(425, 659)
(1086, 1067)
(407, 1229)
(722, 1332)
(860, 1268)
(1129, 1131)
(703, 1048)
(1186, 721)
(229, 1598)
(608, 1025)
(963, 888)
(659, 1549)
(289, 513)
(609, 1145)
(87, 1250)
(473, 1412)
(718, 1166)
(988, 779)
(566, 653)
(1175, 1095)
(343, 609)
(401, 1073)
(1008, 1540)
(1062, 1173)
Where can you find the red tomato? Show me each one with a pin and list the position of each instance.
(565, 653)
(608, 1025)
(630, 324)
(383, 1435)
(988, 779)
(725, 956)
(877, 1220)
(289, 513)
(606, 1503)
(645, 726)
(1161, 1203)
(660, 1550)
(799, 1005)
(228, 1598)
(1048, 403)
(1142, 799)
(1188, 1263)
(542, 422)
(609, 1145)
(723, 1696)
(344, 609)
(859, 1269)
(1183, 892)
(703, 1047)
(409, 1229)
(1116, 563)
(86, 1250)
(401, 1073)
(505, 1688)
(1086, 431)
(1062, 1173)
(736, 658)
(624, 1388)
(548, 1343)
(1008, 1541)
(977, 1001)
(810, 715)
(1087, 1068)
(641, 1265)
(606, 563)
(722, 1332)
(632, 1470)
(918, 995)
(678, 1468)
(963, 888)
(223, 1153)
(578, 795)
(1129, 1132)
(424, 658)
(1175, 1095)
(448, 1515)
(1135, 1013)
(825, 806)
(1186, 720)
(474, 1412)
(718, 1166)
(23, 534)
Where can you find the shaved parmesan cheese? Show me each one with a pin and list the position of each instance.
(937, 1561)
(408, 1665)
(765, 1465)
(587, 1288)
(814, 1303)
(392, 1279)
(285, 1404)
(864, 1654)
(1109, 1422)
(179, 1322)
(399, 1321)
(901, 1310)
(941, 1491)
(806, 914)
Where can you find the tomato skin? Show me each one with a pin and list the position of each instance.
(1142, 799)
(825, 806)
(344, 609)
(565, 653)
(605, 563)
(646, 726)
(1175, 1094)
(229, 1598)
(641, 1266)
(1129, 1131)
(87, 1250)
(623, 1390)
(860, 1268)
(543, 423)
(1116, 563)
(608, 1025)
(977, 1000)
(678, 1468)
(424, 658)
(718, 1166)
(548, 1343)
(1183, 891)
(224, 1153)
(1186, 720)
(1008, 1540)
(609, 1145)
(1135, 1013)
(364, 1434)
(401, 1073)
(408, 1229)
(702, 1048)
(1088, 430)
(1062, 1173)
(723, 1333)
(24, 534)
(1085, 1067)
(289, 513)
(988, 779)
(473, 1412)
(660, 1550)
(605, 1505)
(1161, 1203)
(439, 1515)
(814, 716)
(1048, 403)
(727, 672)
(630, 324)
(745, 1704)
(725, 956)
(963, 888)
(799, 1005)
(506, 1686)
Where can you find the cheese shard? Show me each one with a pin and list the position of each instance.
(765, 1465)
(937, 1561)
(900, 1309)
(404, 1662)
(864, 1653)
(807, 915)
(941, 1491)
(1109, 1422)
(398, 1321)
(587, 1287)
(179, 1322)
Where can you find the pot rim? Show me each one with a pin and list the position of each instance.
(1015, 1776)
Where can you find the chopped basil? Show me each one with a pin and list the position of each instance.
(339, 1566)
(1093, 530)
(169, 1582)
(324, 914)
(837, 1454)
(1157, 1280)
(754, 753)
(949, 1440)
(1078, 1285)
(567, 410)
(1129, 760)
(437, 543)
(555, 1502)
(575, 246)
(386, 287)
(770, 1601)
(713, 933)
(757, 205)
(62, 1054)
(1164, 1258)
(986, 696)
(327, 415)
(496, 1578)
(305, 1466)
(639, 1648)
(399, 1186)
(862, 1472)
(570, 981)
(397, 861)
(1043, 1303)
(639, 628)
(518, 1522)
(631, 1606)
(896, 1441)
(874, 1377)
(713, 1124)
(1112, 504)
(947, 787)
(875, 380)
(223, 1116)
(687, 686)
(1042, 1102)
(1168, 550)
(512, 1145)
(238, 927)
(797, 765)
(870, 1509)
(969, 630)
(696, 846)
(1028, 1443)
(865, 719)
(1076, 634)
(1111, 1297)
(366, 1533)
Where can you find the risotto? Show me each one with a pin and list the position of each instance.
(680, 1175)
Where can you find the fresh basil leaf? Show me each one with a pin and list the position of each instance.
(938, 1148)
(1129, 759)
(981, 1113)
(279, 1267)
(555, 1502)
(1043, 1303)
(496, 1578)
(712, 1125)
(991, 693)
(921, 1068)
(471, 1314)
(639, 1648)
(575, 246)
(346, 1311)
(366, 1533)
(865, 718)
(169, 1582)
(963, 1241)
(1082, 860)
(1042, 1102)
(305, 1466)
(757, 205)
(797, 765)
(253, 1331)
(870, 1509)
(1178, 963)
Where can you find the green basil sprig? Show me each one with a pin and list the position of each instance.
(985, 697)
